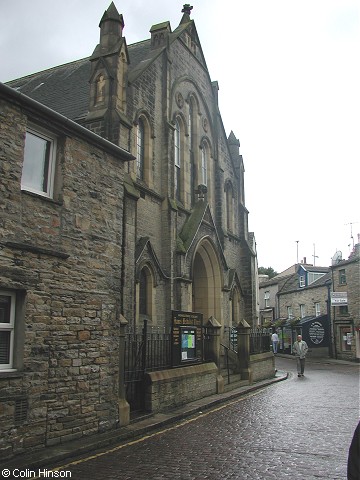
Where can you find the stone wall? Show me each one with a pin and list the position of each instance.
(60, 259)
(168, 389)
(308, 297)
(262, 366)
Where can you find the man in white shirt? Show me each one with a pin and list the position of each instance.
(300, 349)
(275, 342)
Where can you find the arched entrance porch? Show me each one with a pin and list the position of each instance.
(207, 282)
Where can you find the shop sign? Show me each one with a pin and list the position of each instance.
(316, 333)
(338, 299)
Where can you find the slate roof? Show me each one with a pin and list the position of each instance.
(66, 89)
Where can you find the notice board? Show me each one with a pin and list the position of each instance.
(187, 338)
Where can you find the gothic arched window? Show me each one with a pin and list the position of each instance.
(230, 204)
(140, 149)
(204, 165)
(177, 154)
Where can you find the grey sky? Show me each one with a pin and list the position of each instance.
(289, 76)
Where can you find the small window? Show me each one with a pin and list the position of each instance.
(302, 281)
(302, 310)
(39, 163)
(7, 326)
(342, 277)
(290, 313)
(317, 309)
(267, 298)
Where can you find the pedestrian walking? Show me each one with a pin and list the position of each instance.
(275, 342)
(300, 349)
(353, 466)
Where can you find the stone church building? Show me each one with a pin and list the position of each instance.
(122, 199)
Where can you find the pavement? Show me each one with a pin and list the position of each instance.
(142, 425)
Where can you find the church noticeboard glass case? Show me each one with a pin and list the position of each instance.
(187, 338)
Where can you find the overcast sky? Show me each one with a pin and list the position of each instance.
(289, 77)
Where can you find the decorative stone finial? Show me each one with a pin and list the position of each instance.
(187, 9)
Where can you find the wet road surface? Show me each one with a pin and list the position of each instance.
(299, 428)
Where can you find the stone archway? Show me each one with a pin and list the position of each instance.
(207, 282)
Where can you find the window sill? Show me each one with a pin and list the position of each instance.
(42, 197)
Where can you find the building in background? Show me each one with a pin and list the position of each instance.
(296, 301)
(345, 304)
(320, 302)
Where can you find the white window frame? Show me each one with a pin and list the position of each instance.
(317, 309)
(30, 163)
(9, 327)
(302, 281)
(290, 313)
(302, 310)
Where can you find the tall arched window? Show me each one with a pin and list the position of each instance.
(204, 165)
(143, 293)
(235, 307)
(140, 149)
(145, 307)
(191, 155)
(229, 194)
(177, 152)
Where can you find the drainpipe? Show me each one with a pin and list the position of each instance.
(328, 304)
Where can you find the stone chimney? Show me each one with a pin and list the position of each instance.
(160, 34)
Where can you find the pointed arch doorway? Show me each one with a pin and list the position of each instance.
(207, 282)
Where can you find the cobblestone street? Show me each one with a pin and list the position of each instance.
(299, 428)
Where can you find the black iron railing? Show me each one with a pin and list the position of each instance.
(260, 340)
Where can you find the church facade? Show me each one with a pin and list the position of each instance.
(135, 210)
